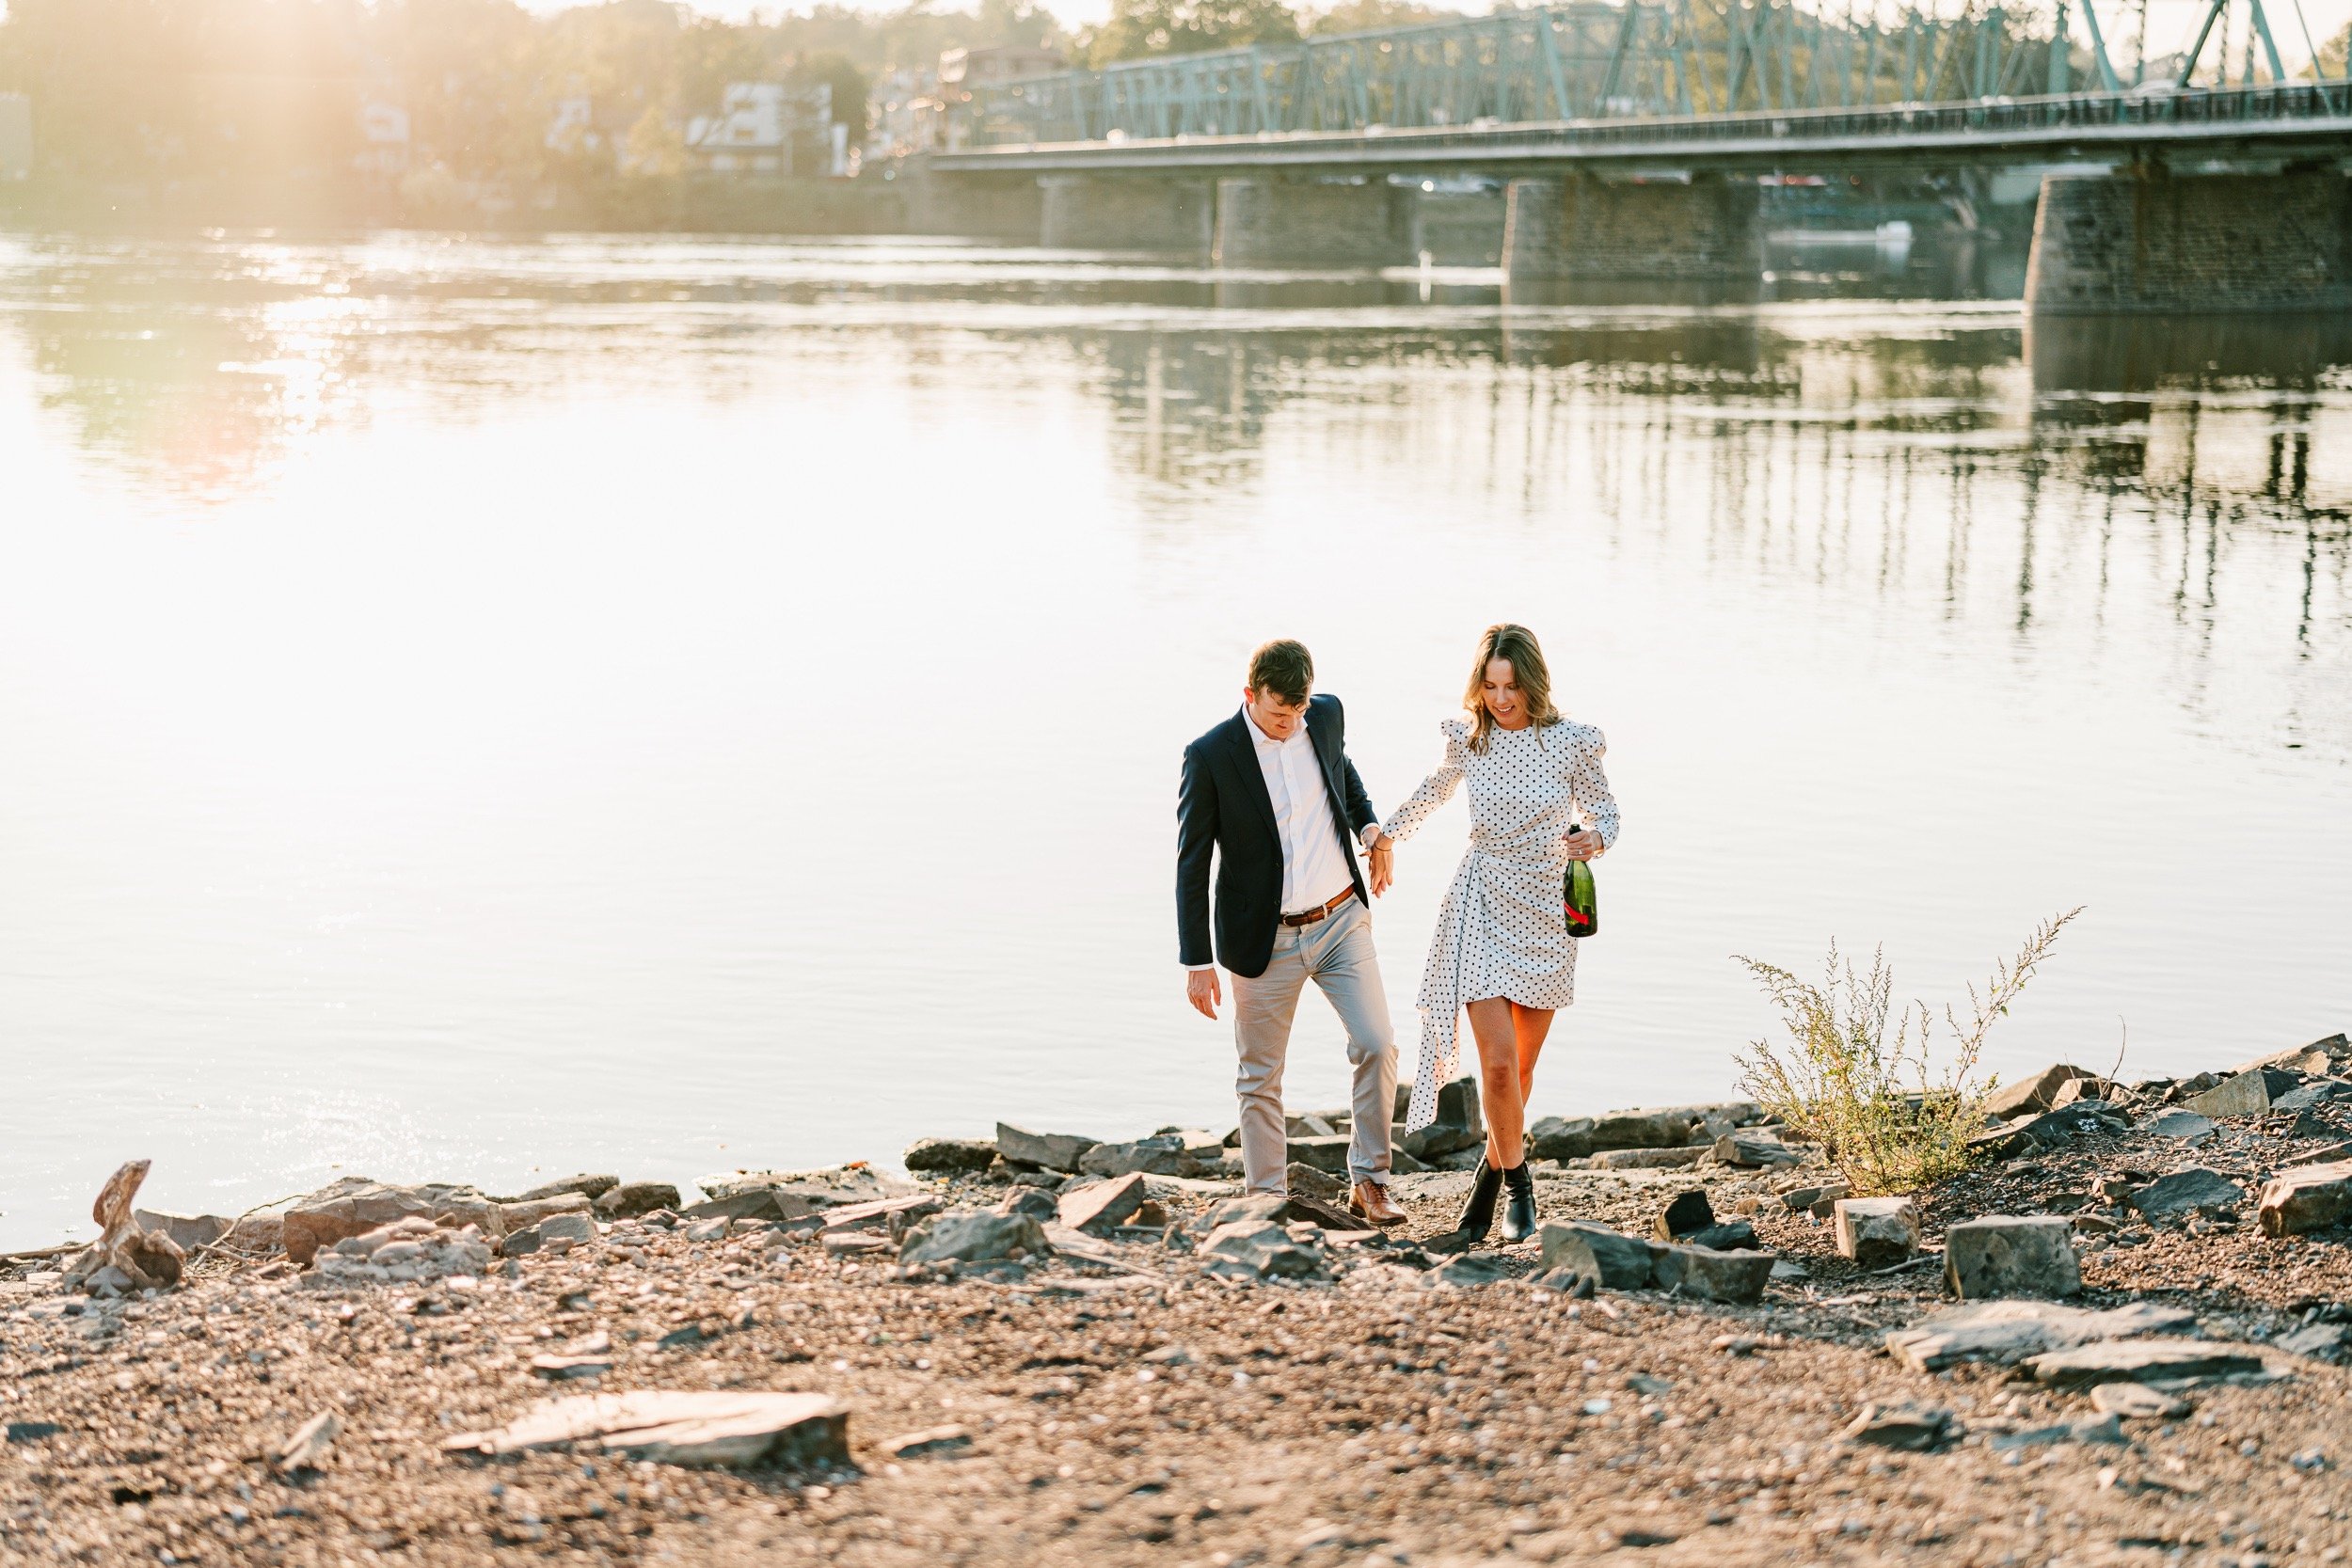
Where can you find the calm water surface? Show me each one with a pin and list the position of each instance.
(484, 711)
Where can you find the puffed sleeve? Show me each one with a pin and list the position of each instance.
(1436, 789)
(1588, 786)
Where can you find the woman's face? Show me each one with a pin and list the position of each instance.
(1501, 695)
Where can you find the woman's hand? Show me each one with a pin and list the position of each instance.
(1583, 845)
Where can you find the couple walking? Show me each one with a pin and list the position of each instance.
(1271, 796)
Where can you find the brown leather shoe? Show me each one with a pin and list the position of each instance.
(1371, 1200)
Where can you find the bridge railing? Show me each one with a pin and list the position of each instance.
(2265, 110)
(1588, 60)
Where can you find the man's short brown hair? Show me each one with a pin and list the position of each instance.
(1284, 668)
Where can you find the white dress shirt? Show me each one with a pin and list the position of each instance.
(1315, 862)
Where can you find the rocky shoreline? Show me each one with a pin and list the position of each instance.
(2115, 1338)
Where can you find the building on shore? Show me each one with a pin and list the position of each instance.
(909, 116)
(16, 136)
(768, 127)
(963, 71)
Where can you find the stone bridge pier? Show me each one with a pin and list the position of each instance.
(1270, 222)
(2140, 241)
(1093, 212)
(1703, 228)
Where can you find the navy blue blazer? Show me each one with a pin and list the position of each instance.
(1222, 806)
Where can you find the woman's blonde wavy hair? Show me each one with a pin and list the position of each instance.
(1516, 644)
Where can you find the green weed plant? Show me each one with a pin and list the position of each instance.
(1865, 1081)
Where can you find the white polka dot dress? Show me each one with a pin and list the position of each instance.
(1500, 930)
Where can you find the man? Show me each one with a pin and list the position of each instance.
(1270, 792)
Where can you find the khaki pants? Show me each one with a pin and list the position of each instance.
(1337, 954)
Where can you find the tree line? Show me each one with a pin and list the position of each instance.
(179, 91)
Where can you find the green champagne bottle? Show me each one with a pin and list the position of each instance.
(1576, 892)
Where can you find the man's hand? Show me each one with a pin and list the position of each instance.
(1203, 991)
(1383, 864)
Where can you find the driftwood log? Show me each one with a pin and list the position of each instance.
(144, 1260)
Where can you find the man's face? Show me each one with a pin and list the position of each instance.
(1277, 714)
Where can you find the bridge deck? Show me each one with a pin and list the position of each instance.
(2296, 121)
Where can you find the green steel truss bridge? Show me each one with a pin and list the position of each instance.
(1730, 80)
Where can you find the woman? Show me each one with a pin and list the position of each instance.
(1501, 948)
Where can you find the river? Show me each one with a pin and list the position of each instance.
(485, 709)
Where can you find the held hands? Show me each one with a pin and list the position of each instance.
(1583, 845)
(1203, 991)
(1383, 856)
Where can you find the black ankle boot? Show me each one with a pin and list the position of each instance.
(1478, 1214)
(1519, 1220)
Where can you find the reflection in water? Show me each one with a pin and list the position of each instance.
(505, 705)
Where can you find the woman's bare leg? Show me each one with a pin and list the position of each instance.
(1530, 1025)
(1499, 1093)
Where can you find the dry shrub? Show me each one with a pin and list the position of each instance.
(1863, 1079)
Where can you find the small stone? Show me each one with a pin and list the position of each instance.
(949, 1156)
(1644, 1130)
(1457, 1126)
(1734, 1236)
(531, 1211)
(520, 1244)
(929, 1443)
(1260, 1249)
(1902, 1424)
(2004, 1256)
(2142, 1361)
(559, 1368)
(708, 1230)
(2314, 1339)
(1687, 1212)
(633, 1199)
(1161, 1155)
(2314, 1095)
(2136, 1401)
(1877, 1232)
(886, 1214)
(2196, 1190)
(1691, 1271)
(1036, 1202)
(972, 1236)
(1648, 1159)
(1802, 1197)
(1597, 1253)
(2249, 1094)
(2038, 1093)
(752, 1203)
(190, 1232)
(590, 1187)
(1102, 1205)
(2186, 1126)
(1470, 1270)
(1560, 1138)
(310, 1443)
(1313, 1182)
(2306, 1197)
(1754, 1151)
(576, 1229)
(1326, 1153)
(1060, 1151)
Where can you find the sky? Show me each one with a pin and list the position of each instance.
(2172, 24)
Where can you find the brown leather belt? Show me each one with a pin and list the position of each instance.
(1308, 917)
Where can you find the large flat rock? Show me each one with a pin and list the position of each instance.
(2142, 1361)
(675, 1427)
(2306, 1197)
(2004, 1333)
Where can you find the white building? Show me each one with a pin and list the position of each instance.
(384, 132)
(16, 136)
(768, 128)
